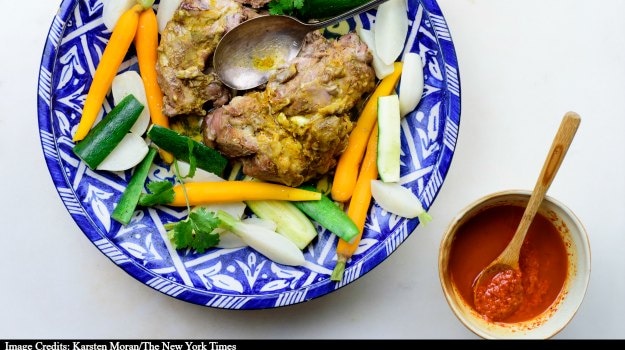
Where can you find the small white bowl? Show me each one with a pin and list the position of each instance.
(550, 322)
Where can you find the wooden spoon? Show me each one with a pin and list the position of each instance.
(508, 260)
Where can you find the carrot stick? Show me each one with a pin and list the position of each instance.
(348, 165)
(358, 204)
(146, 44)
(112, 58)
(234, 191)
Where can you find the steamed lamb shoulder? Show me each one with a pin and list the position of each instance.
(189, 39)
(295, 129)
(254, 3)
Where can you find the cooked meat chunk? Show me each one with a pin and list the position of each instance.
(254, 3)
(184, 73)
(296, 129)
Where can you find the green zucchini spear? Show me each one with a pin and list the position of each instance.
(108, 133)
(329, 215)
(313, 9)
(187, 149)
(129, 199)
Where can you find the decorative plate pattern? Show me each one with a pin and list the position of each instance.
(233, 278)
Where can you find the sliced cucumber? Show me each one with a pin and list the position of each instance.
(290, 221)
(389, 142)
(206, 158)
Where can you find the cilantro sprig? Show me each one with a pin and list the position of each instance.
(197, 230)
(160, 193)
(285, 7)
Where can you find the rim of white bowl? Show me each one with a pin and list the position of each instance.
(576, 285)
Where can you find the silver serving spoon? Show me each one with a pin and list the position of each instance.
(247, 55)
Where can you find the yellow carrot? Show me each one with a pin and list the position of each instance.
(146, 44)
(234, 191)
(348, 165)
(112, 57)
(359, 204)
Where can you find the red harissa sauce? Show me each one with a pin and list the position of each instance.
(499, 295)
(543, 264)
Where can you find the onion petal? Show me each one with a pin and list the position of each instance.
(411, 83)
(391, 29)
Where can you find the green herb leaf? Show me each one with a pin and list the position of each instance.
(161, 192)
(196, 231)
(277, 7)
(285, 7)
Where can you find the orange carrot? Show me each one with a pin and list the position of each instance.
(348, 165)
(234, 191)
(359, 204)
(112, 57)
(146, 44)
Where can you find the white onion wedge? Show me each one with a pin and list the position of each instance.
(391, 29)
(165, 12)
(236, 209)
(229, 240)
(200, 175)
(381, 69)
(271, 244)
(411, 83)
(127, 83)
(113, 9)
(254, 220)
(398, 200)
(128, 153)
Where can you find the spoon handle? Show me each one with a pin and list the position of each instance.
(559, 147)
(348, 14)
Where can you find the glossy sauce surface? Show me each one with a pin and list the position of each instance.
(499, 294)
(543, 261)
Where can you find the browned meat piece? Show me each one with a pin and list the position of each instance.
(296, 128)
(189, 39)
(254, 3)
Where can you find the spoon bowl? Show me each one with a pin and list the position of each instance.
(249, 53)
(502, 275)
(456, 272)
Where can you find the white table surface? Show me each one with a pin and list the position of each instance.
(523, 64)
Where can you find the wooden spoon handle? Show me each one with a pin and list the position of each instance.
(559, 147)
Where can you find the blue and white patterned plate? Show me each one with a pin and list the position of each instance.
(233, 278)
